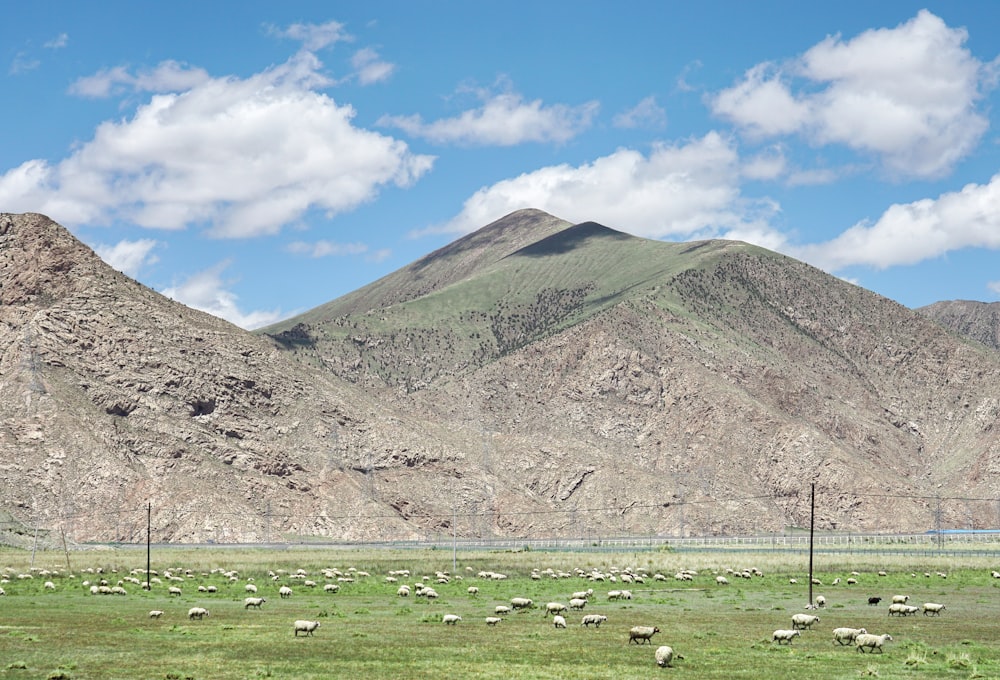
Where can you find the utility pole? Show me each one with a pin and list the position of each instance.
(812, 526)
(149, 534)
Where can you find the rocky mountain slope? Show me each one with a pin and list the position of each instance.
(979, 321)
(535, 378)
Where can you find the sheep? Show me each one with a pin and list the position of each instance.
(255, 602)
(902, 609)
(614, 594)
(333, 588)
(846, 636)
(451, 619)
(596, 619)
(803, 621)
(577, 603)
(558, 621)
(155, 613)
(786, 636)
(873, 601)
(197, 613)
(306, 627)
(521, 603)
(852, 581)
(664, 655)
(402, 591)
(501, 609)
(933, 608)
(641, 634)
(554, 608)
(250, 588)
(174, 590)
(49, 585)
(900, 599)
(284, 592)
(582, 594)
(820, 601)
(872, 642)
(493, 620)
(472, 590)
(720, 580)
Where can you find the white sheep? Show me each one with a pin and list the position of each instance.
(933, 608)
(197, 613)
(902, 609)
(664, 655)
(596, 619)
(155, 613)
(722, 581)
(402, 591)
(493, 620)
(804, 621)
(49, 585)
(472, 590)
(501, 609)
(900, 599)
(306, 627)
(174, 590)
(284, 592)
(521, 603)
(577, 603)
(333, 588)
(558, 621)
(554, 608)
(451, 619)
(820, 601)
(786, 636)
(846, 636)
(254, 602)
(250, 588)
(872, 642)
(641, 634)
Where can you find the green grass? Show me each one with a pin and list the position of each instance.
(368, 632)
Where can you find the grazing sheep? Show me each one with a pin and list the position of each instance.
(306, 627)
(197, 613)
(451, 619)
(255, 602)
(852, 581)
(873, 601)
(577, 603)
(846, 636)
(872, 642)
(803, 621)
(333, 588)
(820, 601)
(933, 608)
(49, 585)
(641, 634)
(558, 621)
(786, 636)
(722, 581)
(403, 591)
(596, 619)
(900, 599)
(493, 620)
(473, 590)
(521, 603)
(155, 613)
(250, 588)
(899, 609)
(664, 655)
(174, 590)
(583, 594)
(501, 609)
(284, 592)
(554, 608)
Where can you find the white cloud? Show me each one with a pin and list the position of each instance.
(909, 233)
(907, 94)
(314, 36)
(57, 42)
(129, 257)
(503, 120)
(243, 157)
(325, 248)
(206, 291)
(646, 114)
(994, 287)
(682, 192)
(370, 68)
(168, 76)
(22, 63)
(766, 165)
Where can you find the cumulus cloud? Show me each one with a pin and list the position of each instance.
(207, 291)
(909, 233)
(370, 68)
(129, 257)
(646, 114)
(907, 95)
(314, 36)
(503, 119)
(683, 191)
(241, 157)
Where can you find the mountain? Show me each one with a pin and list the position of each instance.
(534, 378)
(979, 321)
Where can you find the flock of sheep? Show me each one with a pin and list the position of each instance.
(177, 581)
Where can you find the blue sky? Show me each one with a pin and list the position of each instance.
(256, 159)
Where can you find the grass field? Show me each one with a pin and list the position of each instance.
(367, 631)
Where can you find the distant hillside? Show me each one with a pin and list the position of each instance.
(535, 378)
(979, 321)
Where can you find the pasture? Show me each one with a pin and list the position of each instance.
(367, 631)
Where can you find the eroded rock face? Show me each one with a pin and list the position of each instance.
(705, 400)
